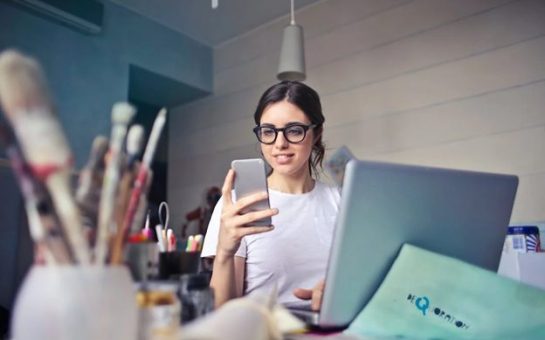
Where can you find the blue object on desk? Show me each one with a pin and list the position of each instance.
(430, 296)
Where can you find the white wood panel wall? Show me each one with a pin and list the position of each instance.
(452, 83)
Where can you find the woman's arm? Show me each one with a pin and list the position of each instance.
(228, 270)
(228, 278)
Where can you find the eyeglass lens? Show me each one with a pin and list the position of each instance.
(294, 133)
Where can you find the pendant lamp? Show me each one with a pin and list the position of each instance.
(292, 54)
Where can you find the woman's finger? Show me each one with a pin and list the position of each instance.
(316, 302)
(303, 294)
(227, 187)
(247, 201)
(245, 231)
(317, 294)
(243, 220)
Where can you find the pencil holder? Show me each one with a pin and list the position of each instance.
(142, 260)
(76, 302)
(175, 263)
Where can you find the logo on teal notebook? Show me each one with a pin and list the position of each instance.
(423, 304)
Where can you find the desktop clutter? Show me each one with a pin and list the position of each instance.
(106, 273)
(523, 256)
(101, 272)
(426, 295)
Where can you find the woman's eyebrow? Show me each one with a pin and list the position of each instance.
(287, 124)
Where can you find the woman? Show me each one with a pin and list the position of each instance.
(292, 253)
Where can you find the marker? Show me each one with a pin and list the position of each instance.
(160, 239)
(189, 245)
(198, 242)
(171, 240)
(147, 231)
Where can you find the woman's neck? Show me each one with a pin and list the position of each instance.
(300, 184)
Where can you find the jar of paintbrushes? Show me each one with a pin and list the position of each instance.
(81, 289)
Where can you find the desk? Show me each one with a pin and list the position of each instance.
(336, 336)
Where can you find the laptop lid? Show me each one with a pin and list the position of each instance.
(457, 213)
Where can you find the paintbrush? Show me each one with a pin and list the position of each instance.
(141, 183)
(138, 220)
(90, 183)
(122, 114)
(135, 139)
(43, 224)
(27, 105)
(135, 143)
(142, 207)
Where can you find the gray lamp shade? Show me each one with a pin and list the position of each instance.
(292, 55)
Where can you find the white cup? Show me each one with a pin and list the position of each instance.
(76, 302)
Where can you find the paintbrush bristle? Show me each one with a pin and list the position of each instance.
(22, 84)
(122, 113)
(155, 134)
(135, 139)
(27, 105)
(162, 113)
(99, 147)
(98, 151)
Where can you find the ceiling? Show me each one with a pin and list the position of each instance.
(197, 19)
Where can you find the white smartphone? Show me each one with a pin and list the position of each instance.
(250, 178)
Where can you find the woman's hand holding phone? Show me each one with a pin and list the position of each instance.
(234, 223)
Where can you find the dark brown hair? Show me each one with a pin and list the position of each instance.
(306, 99)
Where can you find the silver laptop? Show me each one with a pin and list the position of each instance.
(457, 213)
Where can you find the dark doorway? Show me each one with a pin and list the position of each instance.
(149, 92)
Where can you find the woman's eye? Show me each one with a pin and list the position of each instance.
(295, 131)
(267, 132)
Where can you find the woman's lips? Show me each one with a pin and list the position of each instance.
(283, 158)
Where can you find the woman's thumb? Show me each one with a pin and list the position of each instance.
(304, 294)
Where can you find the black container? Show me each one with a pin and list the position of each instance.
(196, 296)
(172, 264)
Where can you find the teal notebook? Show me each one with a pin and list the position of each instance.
(431, 296)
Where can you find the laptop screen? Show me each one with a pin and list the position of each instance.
(463, 214)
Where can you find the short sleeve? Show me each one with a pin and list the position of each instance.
(212, 234)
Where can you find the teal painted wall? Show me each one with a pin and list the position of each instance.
(88, 73)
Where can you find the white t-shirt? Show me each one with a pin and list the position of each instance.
(295, 253)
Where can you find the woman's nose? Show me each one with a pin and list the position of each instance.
(281, 141)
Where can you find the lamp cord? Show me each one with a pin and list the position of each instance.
(292, 22)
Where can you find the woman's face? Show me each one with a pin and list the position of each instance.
(284, 157)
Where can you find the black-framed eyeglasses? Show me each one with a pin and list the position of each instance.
(294, 133)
